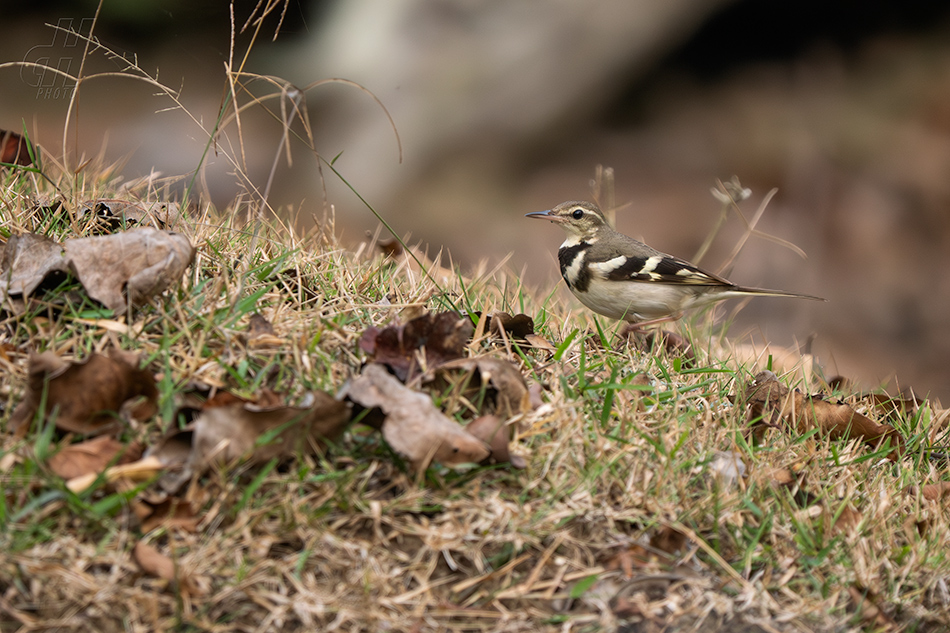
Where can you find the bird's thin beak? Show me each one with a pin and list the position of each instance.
(544, 215)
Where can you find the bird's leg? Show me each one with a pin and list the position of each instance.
(635, 330)
(639, 325)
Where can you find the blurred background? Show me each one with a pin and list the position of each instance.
(507, 106)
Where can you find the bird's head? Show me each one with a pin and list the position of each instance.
(580, 219)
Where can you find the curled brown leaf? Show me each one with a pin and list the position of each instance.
(668, 539)
(848, 520)
(170, 512)
(14, 149)
(109, 215)
(92, 456)
(443, 337)
(122, 475)
(932, 492)
(505, 388)
(772, 401)
(413, 426)
(491, 430)
(156, 564)
(86, 395)
(673, 343)
(230, 429)
(257, 433)
(519, 327)
(261, 334)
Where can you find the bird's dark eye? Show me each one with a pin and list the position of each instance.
(578, 214)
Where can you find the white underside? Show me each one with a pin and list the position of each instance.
(641, 301)
(632, 301)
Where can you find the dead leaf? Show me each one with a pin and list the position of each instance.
(629, 557)
(491, 430)
(539, 342)
(268, 399)
(257, 433)
(668, 539)
(633, 398)
(258, 326)
(839, 383)
(92, 457)
(170, 512)
(390, 247)
(413, 426)
(229, 428)
(27, 261)
(14, 149)
(781, 476)
(932, 492)
(443, 336)
(896, 407)
(793, 480)
(139, 263)
(413, 311)
(174, 452)
(506, 393)
(86, 395)
(261, 334)
(223, 399)
(168, 216)
(519, 327)
(848, 520)
(153, 562)
(110, 215)
(535, 390)
(44, 206)
(156, 564)
(8, 461)
(674, 344)
(772, 401)
(867, 606)
(915, 526)
(137, 471)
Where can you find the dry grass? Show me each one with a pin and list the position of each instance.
(353, 541)
(356, 542)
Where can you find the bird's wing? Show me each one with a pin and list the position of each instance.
(633, 261)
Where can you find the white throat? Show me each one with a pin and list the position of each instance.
(574, 240)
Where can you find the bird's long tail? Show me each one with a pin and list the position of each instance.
(738, 291)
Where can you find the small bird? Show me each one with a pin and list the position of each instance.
(621, 278)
